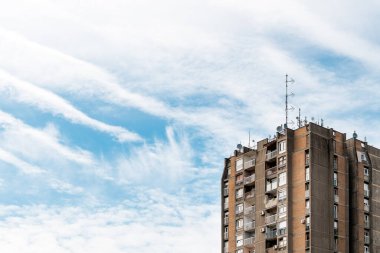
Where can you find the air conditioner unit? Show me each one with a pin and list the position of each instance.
(262, 213)
(275, 247)
(262, 230)
(303, 221)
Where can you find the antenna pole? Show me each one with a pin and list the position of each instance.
(299, 117)
(286, 100)
(249, 138)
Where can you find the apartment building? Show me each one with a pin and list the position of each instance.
(304, 190)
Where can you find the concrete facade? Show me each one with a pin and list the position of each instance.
(305, 190)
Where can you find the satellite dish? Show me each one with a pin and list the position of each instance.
(239, 146)
(279, 129)
(355, 135)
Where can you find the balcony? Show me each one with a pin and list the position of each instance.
(366, 208)
(271, 187)
(238, 211)
(249, 242)
(239, 181)
(271, 171)
(271, 203)
(249, 195)
(271, 219)
(366, 224)
(366, 193)
(249, 179)
(336, 198)
(307, 211)
(271, 234)
(225, 205)
(249, 226)
(249, 210)
(271, 155)
(226, 220)
(307, 194)
(366, 178)
(271, 250)
(249, 164)
(366, 239)
(225, 192)
(307, 244)
(225, 236)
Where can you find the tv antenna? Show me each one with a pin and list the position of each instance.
(299, 120)
(288, 81)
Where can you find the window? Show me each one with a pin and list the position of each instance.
(366, 190)
(282, 227)
(282, 194)
(366, 171)
(239, 240)
(239, 164)
(307, 223)
(239, 178)
(336, 197)
(307, 174)
(226, 203)
(271, 184)
(335, 163)
(307, 204)
(366, 237)
(282, 211)
(239, 208)
(366, 220)
(335, 179)
(366, 205)
(335, 244)
(282, 147)
(283, 242)
(226, 246)
(334, 146)
(239, 224)
(239, 193)
(282, 179)
(363, 157)
(307, 158)
(282, 161)
(239, 251)
(335, 211)
(366, 249)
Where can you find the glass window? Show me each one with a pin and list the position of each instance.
(335, 211)
(366, 190)
(239, 164)
(307, 158)
(335, 164)
(282, 194)
(239, 240)
(282, 161)
(226, 246)
(366, 205)
(239, 251)
(239, 208)
(239, 193)
(239, 223)
(282, 179)
(366, 249)
(307, 204)
(335, 179)
(282, 211)
(282, 147)
(239, 178)
(271, 184)
(366, 171)
(307, 174)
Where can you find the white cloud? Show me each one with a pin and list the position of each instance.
(45, 100)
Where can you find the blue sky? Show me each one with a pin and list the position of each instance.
(115, 116)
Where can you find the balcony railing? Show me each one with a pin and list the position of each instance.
(249, 179)
(271, 187)
(366, 178)
(225, 236)
(249, 210)
(250, 241)
(239, 211)
(271, 155)
(366, 239)
(307, 194)
(239, 181)
(271, 203)
(307, 244)
(366, 208)
(225, 191)
(249, 226)
(271, 234)
(226, 220)
(249, 195)
(250, 163)
(271, 171)
(366, 193)
(271, 219)
(366, 224)
(225, 205)
(336, 198)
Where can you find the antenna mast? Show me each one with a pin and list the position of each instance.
(287, 81)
